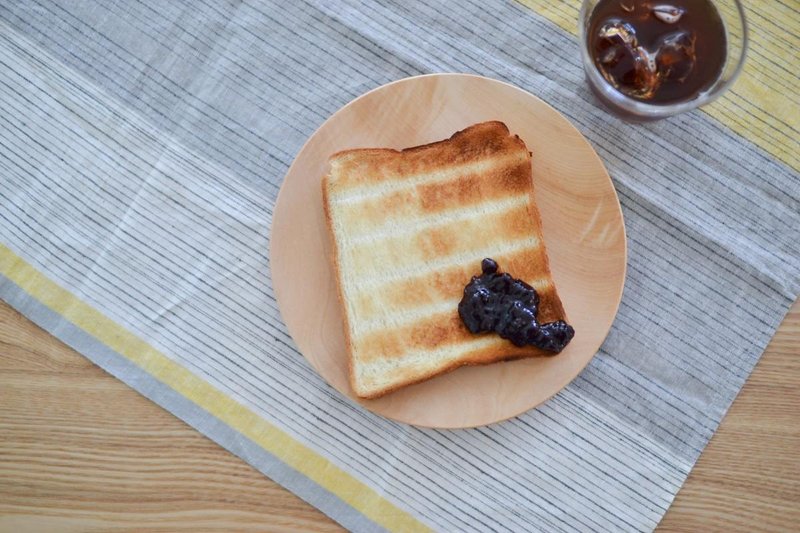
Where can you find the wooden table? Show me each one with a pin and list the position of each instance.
(69, 462)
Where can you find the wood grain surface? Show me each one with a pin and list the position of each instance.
(568, 172)
(80, 451)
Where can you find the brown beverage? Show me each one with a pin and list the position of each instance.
(658, 52)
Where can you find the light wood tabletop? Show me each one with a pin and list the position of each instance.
(70, 460)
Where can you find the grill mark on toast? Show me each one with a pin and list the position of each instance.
(429, 245)
(390, 275)
(386, 312)
(481, 141)
(430, 200)
(381, 185)
(430, 332)
(420, 224)
(442, 285)
(421, 366)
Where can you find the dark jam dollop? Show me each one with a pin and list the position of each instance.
(507, 306)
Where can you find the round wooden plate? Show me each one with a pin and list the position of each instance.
(582, 224)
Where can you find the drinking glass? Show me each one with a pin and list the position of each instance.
(732, 14)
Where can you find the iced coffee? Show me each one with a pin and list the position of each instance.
(657, 52)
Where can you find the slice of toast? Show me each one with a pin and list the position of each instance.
(410, 229)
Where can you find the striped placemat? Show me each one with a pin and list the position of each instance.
(142, 145)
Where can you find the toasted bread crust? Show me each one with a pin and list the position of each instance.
(362, 177)
(483, 357)
(339, 288)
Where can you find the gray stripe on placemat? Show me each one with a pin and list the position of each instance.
(173, 402)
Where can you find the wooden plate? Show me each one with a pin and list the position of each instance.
(582, 224)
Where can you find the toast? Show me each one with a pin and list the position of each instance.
(409, 230)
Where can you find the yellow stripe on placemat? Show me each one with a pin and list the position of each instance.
(764, 104)
(271, 438)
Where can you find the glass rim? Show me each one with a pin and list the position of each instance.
(647, 110)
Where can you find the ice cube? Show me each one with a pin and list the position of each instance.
(668, 14)
(615, 32)
(624, 64)
(643, 81)
(676, 55)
